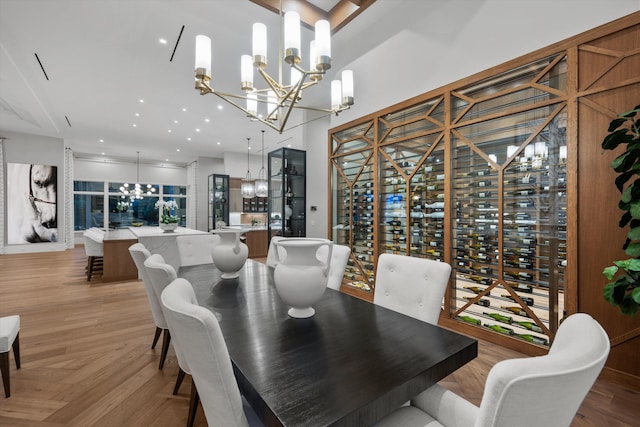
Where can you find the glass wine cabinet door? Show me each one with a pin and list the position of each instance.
(475, 178)
(287, 188)
(218, 200)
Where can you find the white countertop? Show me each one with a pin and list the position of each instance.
(151, 231)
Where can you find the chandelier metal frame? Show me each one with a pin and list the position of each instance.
(280, 99)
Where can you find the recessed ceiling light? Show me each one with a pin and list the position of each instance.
(142, 101)
(289, 145)
(102, 140)
(166, 160)
(189, 139)
(137, 114)
(135, 125)
(162, 41)
(169, 130)
(102, 154)
(207, 120)
(184, 109)
(177, 149)
(175, 121)
(197, 130)
(218, 142)
(219, 107)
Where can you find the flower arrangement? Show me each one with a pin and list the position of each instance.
(167, 211)
(122, 206)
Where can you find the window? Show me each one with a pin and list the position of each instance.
(91, 197)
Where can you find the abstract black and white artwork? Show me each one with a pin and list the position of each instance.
(32, 208)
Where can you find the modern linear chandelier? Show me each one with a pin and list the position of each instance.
(136, 192)
(278, 100)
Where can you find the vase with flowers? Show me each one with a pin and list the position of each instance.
(168, 219)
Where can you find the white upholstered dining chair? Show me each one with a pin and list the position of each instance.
(338, 263)
(195, 249)
(411, 286)
(93, 248)
(197, 332)
(160, 275)
(271, 253)
(527, 392)
(140, 254)
(9, 339)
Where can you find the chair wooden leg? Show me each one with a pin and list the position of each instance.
(155, 337)
(4, 368)
(89, 268)
(16, 350)
(166, 339)
(179, 380)
(194, 400)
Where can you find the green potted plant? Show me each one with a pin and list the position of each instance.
(623, 290)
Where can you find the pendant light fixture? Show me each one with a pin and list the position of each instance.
(136, 192)
(277, 98)
(261, 184)
(247, 189)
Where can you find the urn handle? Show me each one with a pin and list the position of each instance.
(327, 264)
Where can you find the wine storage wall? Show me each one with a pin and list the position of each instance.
(476, 177)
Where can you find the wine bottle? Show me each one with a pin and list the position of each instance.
(526, 300)
(531, 326)
(533, 338)
(527, 192)
(516, 310)
(482, 301)
(471, 320)
(500, 329)
(476, 289)
(521, 287)
(482, 280)
(499, 317)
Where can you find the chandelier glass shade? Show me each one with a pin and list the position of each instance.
(247, 190)
(278, 100)
(136, 192)
(261, 184)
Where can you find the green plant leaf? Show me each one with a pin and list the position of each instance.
(607, 292)
(635, 209)
(610, 271)
(628, 306)
(624, 220)
(626, 194)
(616, 123)
(616, 138)
(633, 249)
(624, 177)
(631, 113)
(634, 233)
(635, 295)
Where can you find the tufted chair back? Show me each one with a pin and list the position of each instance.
(196, 249)
(411, 286)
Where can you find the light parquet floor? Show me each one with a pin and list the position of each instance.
(87, 358)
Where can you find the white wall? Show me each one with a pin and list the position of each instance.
(235, 164)
(91, 170)
(465, 36)
(417, 45)
(206, 166)
(34, 149)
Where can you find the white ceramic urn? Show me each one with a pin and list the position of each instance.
(230, 254)
(301, 278)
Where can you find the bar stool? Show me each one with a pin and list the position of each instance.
(9, 337)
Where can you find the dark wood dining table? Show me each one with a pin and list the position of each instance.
(351, 364)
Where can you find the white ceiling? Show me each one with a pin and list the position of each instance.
(103, 56)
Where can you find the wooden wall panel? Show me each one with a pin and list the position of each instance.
(609, 82)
